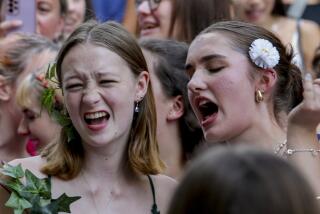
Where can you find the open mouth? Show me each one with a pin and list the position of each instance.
(96, 118)
(208, 110)
(148, 26)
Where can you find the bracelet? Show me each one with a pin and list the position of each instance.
(314, 152)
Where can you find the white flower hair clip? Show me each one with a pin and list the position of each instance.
(264, 54)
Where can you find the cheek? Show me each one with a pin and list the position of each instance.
(71, 102)
(223, 87)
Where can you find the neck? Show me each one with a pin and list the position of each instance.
(107, 162)
(170, 147)
(265, 133)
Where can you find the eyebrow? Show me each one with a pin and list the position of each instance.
(205, 59)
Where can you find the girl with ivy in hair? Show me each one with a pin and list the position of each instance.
(36, 118)
(19, 55)
(107, 154)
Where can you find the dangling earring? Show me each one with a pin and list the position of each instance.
(136, 108)
(259, 96)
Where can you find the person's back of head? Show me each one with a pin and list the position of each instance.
(238, 180)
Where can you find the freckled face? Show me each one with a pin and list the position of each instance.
(99, 92)
(220, 90)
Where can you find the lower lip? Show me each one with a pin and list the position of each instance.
(148, 32)
(97, 127)
(209, 120)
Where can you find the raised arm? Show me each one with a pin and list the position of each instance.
(303, 148)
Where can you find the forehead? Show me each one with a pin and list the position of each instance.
(209, 43)
(88, 58)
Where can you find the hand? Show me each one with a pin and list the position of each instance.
(7, 26)
(307, 113)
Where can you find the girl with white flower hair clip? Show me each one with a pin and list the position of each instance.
(244, 88)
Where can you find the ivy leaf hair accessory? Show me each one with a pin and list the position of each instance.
(264, 54)
(50, 102)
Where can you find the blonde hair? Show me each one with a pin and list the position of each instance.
(31, 88)
(65, 159)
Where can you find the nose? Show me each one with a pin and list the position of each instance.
(91, 96)
(23, 129)
(144, 8)
(197, 83)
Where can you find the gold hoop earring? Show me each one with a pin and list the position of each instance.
(259, 96)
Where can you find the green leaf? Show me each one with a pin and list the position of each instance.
(62, 119)
(35, 195)
(63, 203)
(37, 186)
(47, 99)
(13, 184)
(51, 71)
(12, 171)
(18, 203)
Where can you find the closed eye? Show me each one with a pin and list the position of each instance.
(30, 115)
(106, 82)
(215, 70)
(74, 86)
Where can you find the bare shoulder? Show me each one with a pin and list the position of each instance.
(309, 27)
(33, 164)
(164, 181)
(164, 189)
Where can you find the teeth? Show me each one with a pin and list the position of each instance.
(203, 102)
(95, 115)
(148, 26)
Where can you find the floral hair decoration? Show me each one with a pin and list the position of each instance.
(264, 54)
(50, 102)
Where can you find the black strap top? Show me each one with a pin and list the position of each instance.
(154, 209)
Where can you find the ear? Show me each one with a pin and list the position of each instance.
(266, 80)
(142, 85)
(5, 89)
(176, 109)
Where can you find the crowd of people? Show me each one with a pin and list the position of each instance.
(179, 106)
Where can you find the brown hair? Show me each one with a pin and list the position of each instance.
(288, 90)
(190, 17)
(63, 7)
(65, 159)
(240, 179)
